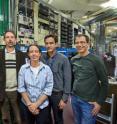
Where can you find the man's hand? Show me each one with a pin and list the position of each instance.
(62, 104)
(96, 108)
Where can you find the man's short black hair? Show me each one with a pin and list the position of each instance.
(83, 35)
(52, 36)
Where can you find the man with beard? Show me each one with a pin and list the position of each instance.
(10, 63)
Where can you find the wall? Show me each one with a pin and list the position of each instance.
(4, 15)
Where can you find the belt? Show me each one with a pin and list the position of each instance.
(57, 92)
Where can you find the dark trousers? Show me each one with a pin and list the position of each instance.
(41, 118)
(54, 102)
(1, 103)
(23, 111)
(10, 109)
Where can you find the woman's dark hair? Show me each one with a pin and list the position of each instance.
(29, 48)
(33, 45)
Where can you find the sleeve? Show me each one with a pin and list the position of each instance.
(22, 58)
(2, 84)
(72, 75)
(21, 81)
(103, 79)
(67, 79)
(49, 82)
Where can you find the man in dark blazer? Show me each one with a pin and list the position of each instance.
(11, 60)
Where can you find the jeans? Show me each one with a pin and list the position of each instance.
(82, 111)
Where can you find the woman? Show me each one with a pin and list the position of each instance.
(35, 83)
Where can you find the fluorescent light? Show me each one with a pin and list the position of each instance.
(109, 30)
(85, 17)
(1, 18)
(115, 28)
(50, 1)
(111, 3)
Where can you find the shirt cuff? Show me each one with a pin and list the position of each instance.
(21, 90)
(65, 97)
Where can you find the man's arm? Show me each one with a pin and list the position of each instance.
(2, 78)
(103, 80)
(101, 74)
(67, 79)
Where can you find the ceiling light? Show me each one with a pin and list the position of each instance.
(115, 28)
(85, 17)
(111, 3)
(109, 30)
(50, 1)
(93, 31)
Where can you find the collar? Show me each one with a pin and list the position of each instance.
(10, 52)
(41, 65)
(55, 53)
(78, 56)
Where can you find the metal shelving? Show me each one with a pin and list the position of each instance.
(25, 30)
(66, 33)
(108, 119)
